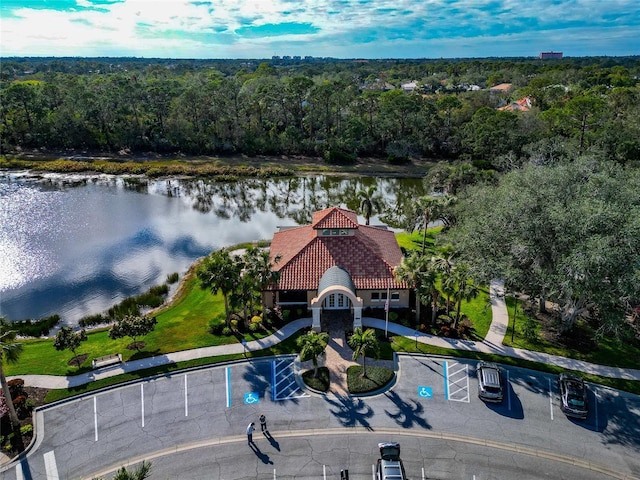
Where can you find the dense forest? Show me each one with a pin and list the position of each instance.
(496, 113)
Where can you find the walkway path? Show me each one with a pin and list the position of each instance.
(338, 355)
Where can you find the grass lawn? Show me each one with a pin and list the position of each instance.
(607, 352)
(181, 326)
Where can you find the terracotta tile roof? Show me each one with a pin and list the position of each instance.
(334, 217)
(369, 255)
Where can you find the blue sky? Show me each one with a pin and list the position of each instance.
(320, 28)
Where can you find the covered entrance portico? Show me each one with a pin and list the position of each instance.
(336, 291)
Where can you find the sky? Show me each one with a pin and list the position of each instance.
(318, 28)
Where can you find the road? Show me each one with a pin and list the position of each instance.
(192, 424)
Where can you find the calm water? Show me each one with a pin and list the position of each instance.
(77, 245)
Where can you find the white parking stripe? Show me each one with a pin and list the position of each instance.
(186, 403)
(19, 474)
(50, 466)
(95, 417)
(508, 392)
(550, 399)
(142, 401)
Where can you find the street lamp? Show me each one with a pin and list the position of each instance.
(515, 307)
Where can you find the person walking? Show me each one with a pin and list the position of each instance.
(263, 424)
(250, 430)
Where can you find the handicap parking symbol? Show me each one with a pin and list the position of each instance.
(425, 392)
(251, 397)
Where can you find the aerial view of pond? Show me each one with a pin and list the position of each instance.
(77, 245)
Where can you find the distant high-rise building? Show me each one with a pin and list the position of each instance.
(547, 55)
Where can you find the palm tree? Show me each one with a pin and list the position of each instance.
(428, 208)
(369, 202)
(313, 344)
(258, 267)
(462, 287)
(220, 271)
(410, 271)
(363, 342)
(140, 473)
(10, 351)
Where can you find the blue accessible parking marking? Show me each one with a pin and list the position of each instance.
(425, 392)
(251, 397)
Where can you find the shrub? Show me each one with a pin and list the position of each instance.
(216, 327)
(377, 377)
(35, 328)
(25, 429)
(172, 278)
(91, 320)
(320, 383)
(226, 331)
(15, 387)
(337, 156)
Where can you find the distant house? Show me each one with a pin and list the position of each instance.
(410, 86)
(501, 88)
(335, 263)
(522, 105)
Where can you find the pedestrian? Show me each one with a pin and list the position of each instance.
(263, 424)
(250, 430)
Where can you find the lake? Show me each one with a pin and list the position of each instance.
(77, 245)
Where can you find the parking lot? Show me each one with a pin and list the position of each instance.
(433, 398)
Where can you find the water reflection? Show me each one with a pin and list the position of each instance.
(75, 245)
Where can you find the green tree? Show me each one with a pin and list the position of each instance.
(566, 232)
(363, 343)
(369, 202)
(132, 326)
(140, 473)
(67, 339)
(10, 352)
(461, 287)
(258, 268)
(221, 271)
(312, 345)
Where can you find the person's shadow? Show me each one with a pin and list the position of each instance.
(262, 456)
(274, 443)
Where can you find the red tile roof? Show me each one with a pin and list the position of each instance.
(369, 255)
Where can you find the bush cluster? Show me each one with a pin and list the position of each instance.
(35, 328)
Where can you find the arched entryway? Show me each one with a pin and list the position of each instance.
(336, 291)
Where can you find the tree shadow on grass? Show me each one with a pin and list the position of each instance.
(351, 411)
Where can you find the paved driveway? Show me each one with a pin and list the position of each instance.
(434, 400)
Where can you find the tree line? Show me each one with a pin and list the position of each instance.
(337, 109)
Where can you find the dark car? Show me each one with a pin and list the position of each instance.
(573, 395)
(389, 465)
(490, 384)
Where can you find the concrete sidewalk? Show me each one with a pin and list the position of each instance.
(491, 344)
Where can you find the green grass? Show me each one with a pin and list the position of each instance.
(608, 351)
(376, 378)
(413, 241)
(182, 326)
(320, 383)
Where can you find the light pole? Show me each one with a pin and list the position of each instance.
(515, 307)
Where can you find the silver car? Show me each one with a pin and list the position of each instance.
(490, 384)
(573, 396)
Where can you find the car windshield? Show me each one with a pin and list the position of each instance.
(575, 401)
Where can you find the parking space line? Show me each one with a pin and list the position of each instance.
(50, 466)
(550, 399)
(446, 380)
(19, 474)
(227, 376)
(186, 401)
(95, 417)
(508, 391)
(273, 381)
(595, 395)
(142, 402)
